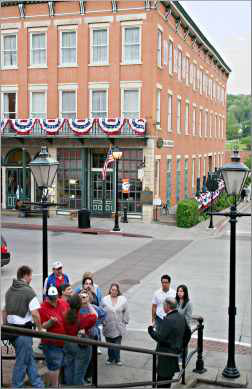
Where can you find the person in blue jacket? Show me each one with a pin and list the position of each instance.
(56, 278)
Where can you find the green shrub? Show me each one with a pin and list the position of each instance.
(223, 202)
(187, 214)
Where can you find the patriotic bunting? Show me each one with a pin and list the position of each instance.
(23, 126)
(111, 126)
(51, 126)
(204, 199)
(81, 127)
(3, 123)
(137, 125)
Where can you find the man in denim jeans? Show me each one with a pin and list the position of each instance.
(21, 310)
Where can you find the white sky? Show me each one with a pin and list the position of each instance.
(227, 26)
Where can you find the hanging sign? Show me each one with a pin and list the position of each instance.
(125, 185)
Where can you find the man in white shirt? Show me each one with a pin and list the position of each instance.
(21, 310)
(159, 297)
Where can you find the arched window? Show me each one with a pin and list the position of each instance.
(14, 157)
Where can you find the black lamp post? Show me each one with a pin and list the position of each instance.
(117, 154)
(234, 175)
(212, 186)
(44, 169)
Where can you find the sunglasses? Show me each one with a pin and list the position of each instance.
(59, 268)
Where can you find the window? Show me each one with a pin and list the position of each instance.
(187, 71)
(179, 66)
(219, 127)
(200, 81)
(9, 50)
(178, 116)
(9, 105)
(193, 174)
(68, 104)
(99, 46)
(198, 167)
(210, 125)
(215, 127)
(200, 122)
(186, 118)
(157, 177)
(169, 113)
(165, 52)
(194, 76)
(214, 90)
(159, 48)
(204, 166)
(158, 108)
(99, 103)
(170, 48)
(38, 104)
(131, 45)
(194, 122)
(131, 103)
(206, 122)
(37, 48)
(210, 88)
(68, 48)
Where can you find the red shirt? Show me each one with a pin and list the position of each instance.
(46, 311)
(65, 304)
(59, 281)
(85, 321)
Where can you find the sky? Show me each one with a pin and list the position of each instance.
(227, 26)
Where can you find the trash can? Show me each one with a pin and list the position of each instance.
(84, 218)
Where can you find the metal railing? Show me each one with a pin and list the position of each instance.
(11, 330)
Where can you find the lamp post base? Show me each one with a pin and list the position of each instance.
(231, 372)
(116, 228)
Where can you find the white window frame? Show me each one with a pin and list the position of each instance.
(131, 86)
(159, 48)
(200, 121)
(187, 115)
(67, 88)
(99, 87)
(169, 112)
(187, 66)
(206, 123)
(5, 90)
(37, 89)
(194, 120)
(178, 115)
(170, 57)
(97, 28)
(3, 35)
(193, 174)
(131, 25)
(158, 108)
(38, 32)
(68, 29)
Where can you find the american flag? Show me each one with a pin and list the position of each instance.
(108, 161)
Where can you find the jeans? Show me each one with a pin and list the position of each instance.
(114, 354)
(25, 363)
(76, 363)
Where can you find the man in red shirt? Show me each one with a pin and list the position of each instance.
(51, 315)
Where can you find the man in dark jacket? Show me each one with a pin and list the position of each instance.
(169, 338)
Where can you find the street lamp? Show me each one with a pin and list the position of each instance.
(117, 154)
(44, 169)
(234, 175)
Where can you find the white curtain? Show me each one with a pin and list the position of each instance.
(68, 104)
(99, 104)
(132, 45)
(68, 47)
(10, 50)
(131, 104)
(38, 104)
(9, 105)
(38, 49)
(100, 46)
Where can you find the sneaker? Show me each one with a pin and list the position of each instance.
(119, 363)
(108, 363)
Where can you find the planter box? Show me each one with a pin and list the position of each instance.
(146, 197)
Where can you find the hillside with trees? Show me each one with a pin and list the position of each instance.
(238, 116)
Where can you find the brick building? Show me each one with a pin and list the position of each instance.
(144, 64)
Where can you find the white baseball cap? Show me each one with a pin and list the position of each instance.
(57, 265)
(52, 291)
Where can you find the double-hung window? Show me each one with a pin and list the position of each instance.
(159, 48)
(68, 54)
(178, 115)
(206, 122)
(194, 76)
(68, 104)
(179, 65)
(170, 55)
(187, 118)
(9, 104)
(200, 122)
(99, 103)
(169, 112)
(131, 103)
(187, 70)
(9, 50)
(37, 49)
(38, 104)
(99, 46)
(158, 108)
(210, 124)
(194, 121)
(131, 45)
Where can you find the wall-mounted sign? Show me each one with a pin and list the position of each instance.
(125, 185)
(168, 143)
(157, 201)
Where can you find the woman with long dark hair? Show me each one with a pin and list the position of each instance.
(184, 304)
(77, 356)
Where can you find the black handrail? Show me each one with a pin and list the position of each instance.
(6, 329)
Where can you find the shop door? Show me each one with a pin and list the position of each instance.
(101, 193)
(14, 186)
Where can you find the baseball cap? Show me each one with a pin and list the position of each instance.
(52, 292)
(57, 265)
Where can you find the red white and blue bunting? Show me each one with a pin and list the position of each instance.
(111, 126)
(81, 127)
(204, 199)
(137, 125)
(3, 123)
(23, 126)
(51, 126)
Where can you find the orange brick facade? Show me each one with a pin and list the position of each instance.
(195, 83)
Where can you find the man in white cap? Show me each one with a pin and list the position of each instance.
(52, 313)
(57, 278)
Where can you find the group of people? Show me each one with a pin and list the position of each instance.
(81, 312)
(68, 311)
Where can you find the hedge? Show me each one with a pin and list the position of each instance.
(187, 214)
